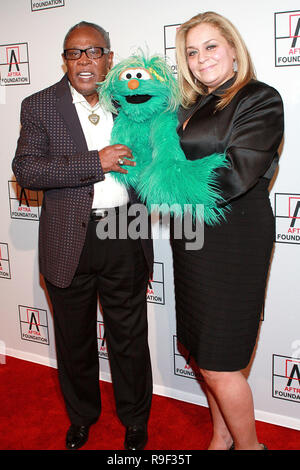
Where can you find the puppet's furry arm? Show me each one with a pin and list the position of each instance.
(136, 137)
(173, 180)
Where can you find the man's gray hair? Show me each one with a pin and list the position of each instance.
(98, 28)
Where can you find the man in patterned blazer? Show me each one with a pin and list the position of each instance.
(64, 150)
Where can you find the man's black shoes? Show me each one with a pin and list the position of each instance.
(136, 437)
(77, 436)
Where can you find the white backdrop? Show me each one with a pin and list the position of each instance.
(31, 37)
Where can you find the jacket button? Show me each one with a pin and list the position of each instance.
(83, 224)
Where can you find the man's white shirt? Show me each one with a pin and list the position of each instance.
(109, 192)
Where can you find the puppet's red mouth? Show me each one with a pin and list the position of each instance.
(137, 99)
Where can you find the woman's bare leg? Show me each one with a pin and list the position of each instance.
(231, 405)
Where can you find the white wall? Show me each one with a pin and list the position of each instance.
(131, 25)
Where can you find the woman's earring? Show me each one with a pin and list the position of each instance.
(235, 66)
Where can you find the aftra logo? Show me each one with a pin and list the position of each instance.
(101, 338)
(4, 262)
(13, 58)
(295, 28)
(294, 206)
(14, 64)
(184, 367)
(286, 378)
(37, 5)
(287, 214)
(156, 286)
(292, 371)
(169, 44)
(287, 38)
(34, 324)
(24, 204)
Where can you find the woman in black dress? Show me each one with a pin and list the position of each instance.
(220, 288)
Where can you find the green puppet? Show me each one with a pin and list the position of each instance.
(143, 93)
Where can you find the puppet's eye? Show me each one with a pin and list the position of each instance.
(140, 74)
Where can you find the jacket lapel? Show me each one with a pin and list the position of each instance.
(185, 114)
(66, 108)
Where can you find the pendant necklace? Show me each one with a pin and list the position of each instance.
(93, 117)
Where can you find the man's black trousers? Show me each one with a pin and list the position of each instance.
(115, 272)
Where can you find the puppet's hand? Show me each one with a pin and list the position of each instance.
(182, 185)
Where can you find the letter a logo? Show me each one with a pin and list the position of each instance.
(13, 60)
(23, 196)
(294, 371)
(33, 321)
(295, 215)
(296, 33)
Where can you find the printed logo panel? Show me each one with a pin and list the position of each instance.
(14, 64)
(46, 4)
(286, 378)
(287, 216)
(101, 338)
(169, 44)
(156, 286)
(184, 367)
(24, 203)
(4, 262)
(34, 324)
(287, 38)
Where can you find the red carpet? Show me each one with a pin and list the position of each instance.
(32, 417)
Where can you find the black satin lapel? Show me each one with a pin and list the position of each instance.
(68, 111)
(185, 114)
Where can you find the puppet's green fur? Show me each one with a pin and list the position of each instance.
(162, 175)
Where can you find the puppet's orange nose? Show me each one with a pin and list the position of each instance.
(133, 84)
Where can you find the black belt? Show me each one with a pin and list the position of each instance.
(99, 214)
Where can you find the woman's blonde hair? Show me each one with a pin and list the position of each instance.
(191, 88)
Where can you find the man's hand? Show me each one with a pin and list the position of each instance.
(110, 155)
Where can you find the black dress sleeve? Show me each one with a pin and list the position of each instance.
(257, 130)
